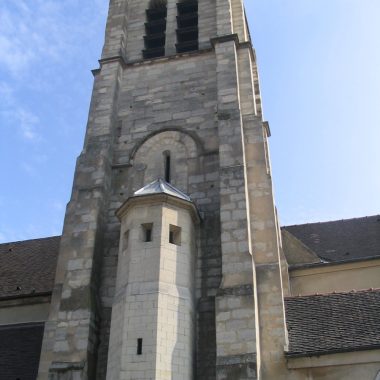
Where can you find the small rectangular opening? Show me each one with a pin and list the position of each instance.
(139, 346)
(147, 232)
(167, 166)
(174, 235)
(125, 241)
(148, 235)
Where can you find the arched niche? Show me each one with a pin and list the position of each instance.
(150, 159)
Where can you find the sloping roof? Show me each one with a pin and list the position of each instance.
(20, 347)
(159, 186)
(28, 267)
(341, 240)
(322, 324)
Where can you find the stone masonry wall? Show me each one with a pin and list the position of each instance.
(160, 100)
(71, 334)
(192, 105)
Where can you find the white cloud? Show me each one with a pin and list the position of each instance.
(27, 122)
(6, 94)
(30, 231)
(7, 235)
(43, 31)
(58, 206)
(15, 53)
(29, 169)
(2, 238)
(34, 164)
(12, 56)
(34, 37)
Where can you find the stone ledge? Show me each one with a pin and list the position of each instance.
(237, 367)
(236, 359)
(66, 366)
(125, 63)
(25, 299)
(226, 38)
(241, 290)
(335, 359)
(117, 58)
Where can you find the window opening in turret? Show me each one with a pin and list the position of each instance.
(174, 234)
(155, 29)
(139, 346)
(167, 163)
(125, 241)
(187, 26)
(147, 229)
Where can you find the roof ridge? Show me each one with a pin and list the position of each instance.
(29, 240)
(353, 291)
(333, 221)
(160, 186)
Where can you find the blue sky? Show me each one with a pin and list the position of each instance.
(319, 67)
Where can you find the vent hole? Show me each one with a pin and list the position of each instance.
(125, 241)
(147, 232)
(167, 163)
(174, 235)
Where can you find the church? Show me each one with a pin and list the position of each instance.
(172, 264)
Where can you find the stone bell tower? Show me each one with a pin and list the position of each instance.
(169, 264)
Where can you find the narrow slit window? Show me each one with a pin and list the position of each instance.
(174, 235)
(167, 161)
(155, 29)
(171, 237)
(148, 234)
(147, 230)
(125, 241)
(139, 346)
(187, 26)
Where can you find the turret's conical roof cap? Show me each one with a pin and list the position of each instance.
(159, 186)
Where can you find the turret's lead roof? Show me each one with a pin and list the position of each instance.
(160, 186)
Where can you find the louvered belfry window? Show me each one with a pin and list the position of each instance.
(155, 29)
(187, 26)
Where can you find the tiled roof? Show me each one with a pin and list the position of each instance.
(341, 240)
(322, 324)
(28, 267)
(20, 347)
